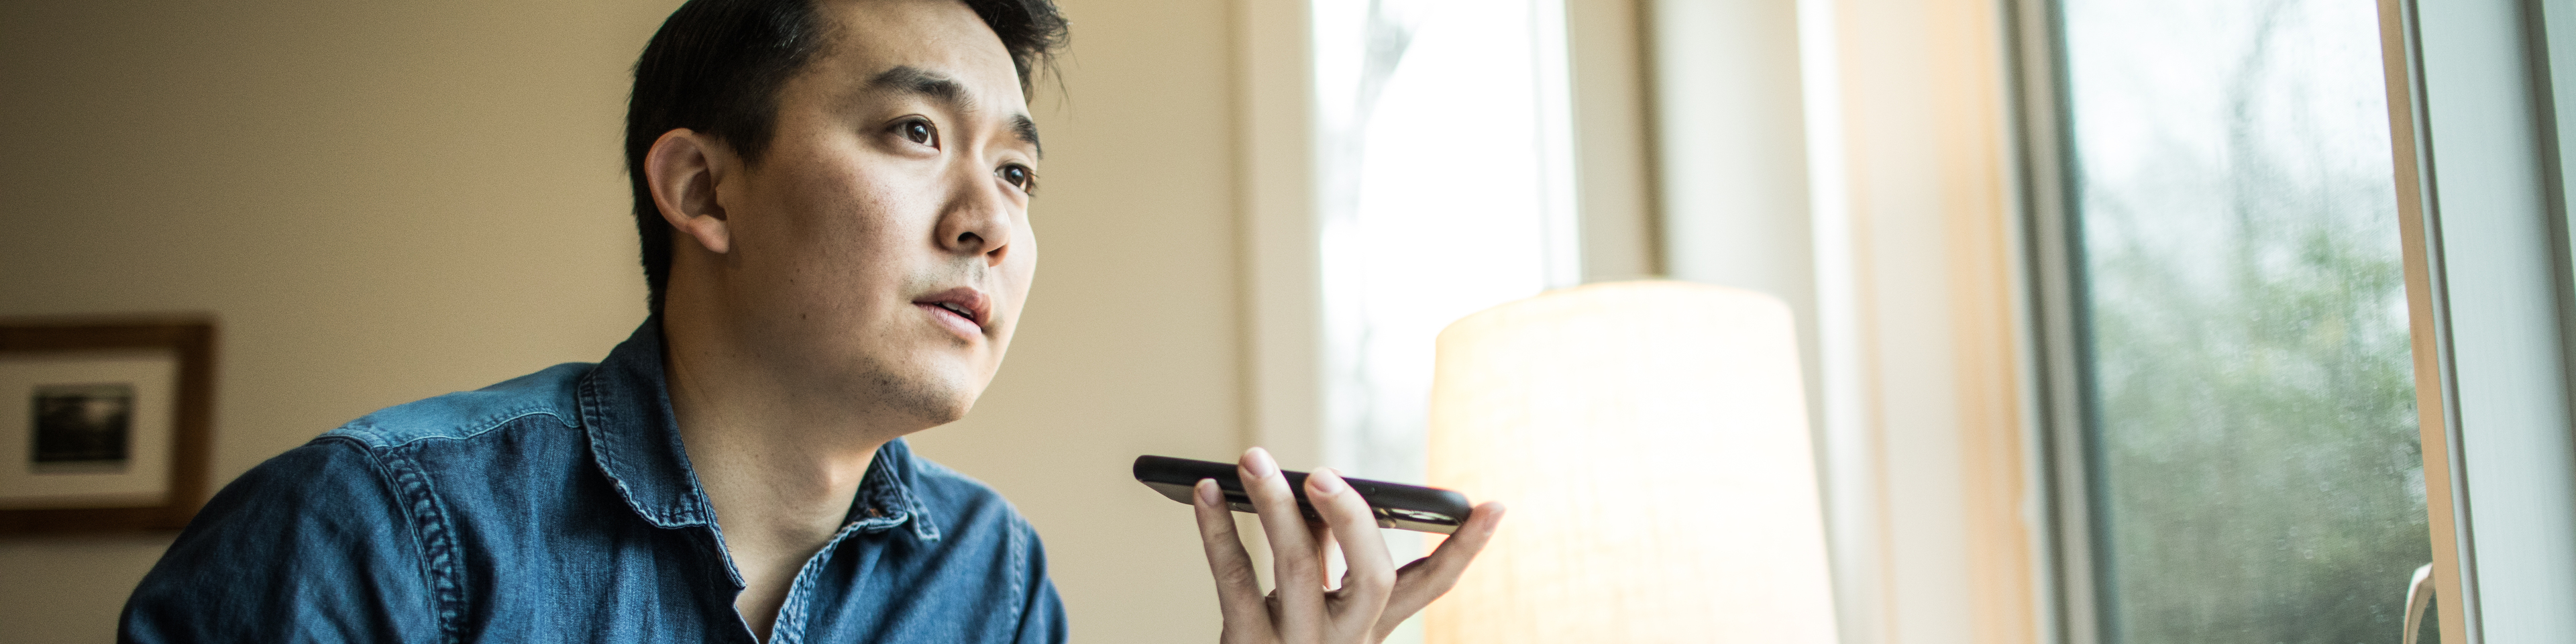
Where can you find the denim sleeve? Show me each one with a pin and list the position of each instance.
(311, 546)
(1042, 620)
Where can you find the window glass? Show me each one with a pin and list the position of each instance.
(1444, 191)
(2253, 465)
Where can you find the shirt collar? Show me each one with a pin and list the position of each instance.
(635, 438)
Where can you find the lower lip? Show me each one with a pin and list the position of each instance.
(956, 323)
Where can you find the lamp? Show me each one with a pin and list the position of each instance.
(1652, 442)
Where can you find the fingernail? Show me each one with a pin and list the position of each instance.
(1207, 492)
(1327, 482)
(1258, 461)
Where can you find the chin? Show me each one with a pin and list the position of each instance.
(934, 416)
(932, 401)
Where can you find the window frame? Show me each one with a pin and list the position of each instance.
(2484, 212)
(2058, 350)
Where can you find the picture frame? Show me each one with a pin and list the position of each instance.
(105, 424)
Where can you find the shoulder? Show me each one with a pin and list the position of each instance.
(323, 481)
(319, 521)
(553, 392)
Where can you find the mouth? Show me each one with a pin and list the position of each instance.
(963, 304)
(961, 311)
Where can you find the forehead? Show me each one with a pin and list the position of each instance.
(868, 38)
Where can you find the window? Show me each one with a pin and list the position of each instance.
(1446, 187)
(2247, 465)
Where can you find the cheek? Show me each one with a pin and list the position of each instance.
(848, 224)
(1022, 267)
(1028, 249)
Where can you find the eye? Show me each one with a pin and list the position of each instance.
(919, 131)
(1018, 175)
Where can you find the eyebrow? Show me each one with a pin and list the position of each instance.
(946, 89)
(1027, 130)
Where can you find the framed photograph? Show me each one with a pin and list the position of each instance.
(104, 425)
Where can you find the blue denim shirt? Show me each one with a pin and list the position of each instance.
(559, 506)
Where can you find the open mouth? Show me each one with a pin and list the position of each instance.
(966, 303)
(960, 311)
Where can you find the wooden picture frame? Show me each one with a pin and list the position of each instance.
(105, 425)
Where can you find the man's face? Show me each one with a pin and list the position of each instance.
(881, 245)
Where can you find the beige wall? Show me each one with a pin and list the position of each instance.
(383, 202)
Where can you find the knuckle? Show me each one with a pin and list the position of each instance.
(1359, 517)
(1262, 496)
(1293, 557)
(1237, 576)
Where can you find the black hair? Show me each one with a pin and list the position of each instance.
(716, 67)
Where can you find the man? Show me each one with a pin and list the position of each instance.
(834, 198)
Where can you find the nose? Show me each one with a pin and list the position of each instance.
(977, 218)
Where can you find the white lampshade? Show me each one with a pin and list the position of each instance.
(1652, 443)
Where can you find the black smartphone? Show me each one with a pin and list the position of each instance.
(1399, 506)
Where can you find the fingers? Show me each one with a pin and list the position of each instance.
(1371, 576)
(1354, 526)
(1428, 578)
(1238, 589)
(1374, 596)
(1325, 550)
(1295, 563)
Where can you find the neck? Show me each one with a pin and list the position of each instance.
(765, 448)
(780, 464)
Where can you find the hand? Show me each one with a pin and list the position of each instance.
(1374, 595)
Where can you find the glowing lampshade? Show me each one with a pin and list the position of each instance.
(1652, 443)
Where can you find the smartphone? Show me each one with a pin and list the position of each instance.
(1399, 506)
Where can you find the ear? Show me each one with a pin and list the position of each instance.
(682, 170)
